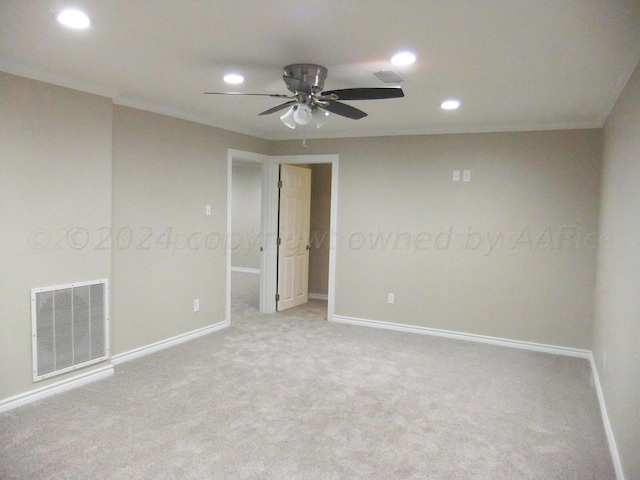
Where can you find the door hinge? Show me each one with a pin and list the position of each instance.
(278, 241)
(277, 297)
(279, 183)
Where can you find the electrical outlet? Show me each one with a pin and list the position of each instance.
(456, 175)
(196, 305)
(466, 175)
(392, 298)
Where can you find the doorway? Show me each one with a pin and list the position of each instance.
(269, 225)
(245, 239)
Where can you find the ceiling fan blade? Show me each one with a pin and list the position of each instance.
(366, 93)
(296, 85)
(344, 110)
(277, 108)
(273, 95)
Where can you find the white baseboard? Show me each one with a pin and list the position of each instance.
(169, 342)
(54, 388)
(613, 448)
(245, 270)
(470, 337)
(318, 296)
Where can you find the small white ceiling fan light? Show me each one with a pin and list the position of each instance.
(73, 18)
(233, 78)
(451, 104)
(403, 58)
(320, 116)
(302, 115)
(287, 118)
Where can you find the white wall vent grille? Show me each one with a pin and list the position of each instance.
(69, 327)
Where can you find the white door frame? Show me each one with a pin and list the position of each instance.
(269, 223)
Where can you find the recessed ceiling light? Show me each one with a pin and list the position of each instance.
(234, 78)
(451, 104)
(73, 19)
(403, 58)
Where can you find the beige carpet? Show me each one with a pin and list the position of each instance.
(291, 396)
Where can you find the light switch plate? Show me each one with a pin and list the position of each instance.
(466, 175)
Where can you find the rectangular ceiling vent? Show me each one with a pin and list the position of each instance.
(69, 327)
(389, 76)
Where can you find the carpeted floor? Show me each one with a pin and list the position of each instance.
(291, 396)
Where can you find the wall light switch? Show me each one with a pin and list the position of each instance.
(392, 298)
(207, 210)
(456, 175)
(196, 305)
(466, 175)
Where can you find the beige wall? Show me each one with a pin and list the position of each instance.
(617, 322)
(71, 159)
(135, 185)
(320, 223)
(165, 171)
(440, 257)
(55, 164)
(246, 203)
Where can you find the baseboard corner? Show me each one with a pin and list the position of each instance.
(611, 440)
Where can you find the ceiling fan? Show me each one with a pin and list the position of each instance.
(309, 102)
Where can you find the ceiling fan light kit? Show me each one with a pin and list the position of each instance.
(308, 102)
(302, 114)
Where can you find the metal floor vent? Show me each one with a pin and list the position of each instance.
(69, 327)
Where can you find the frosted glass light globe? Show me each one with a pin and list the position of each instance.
(302, 115)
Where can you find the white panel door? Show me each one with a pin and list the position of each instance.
(294, 225)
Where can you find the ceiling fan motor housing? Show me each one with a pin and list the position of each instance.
(312, 75)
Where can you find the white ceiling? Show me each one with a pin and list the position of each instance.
(515, 64)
